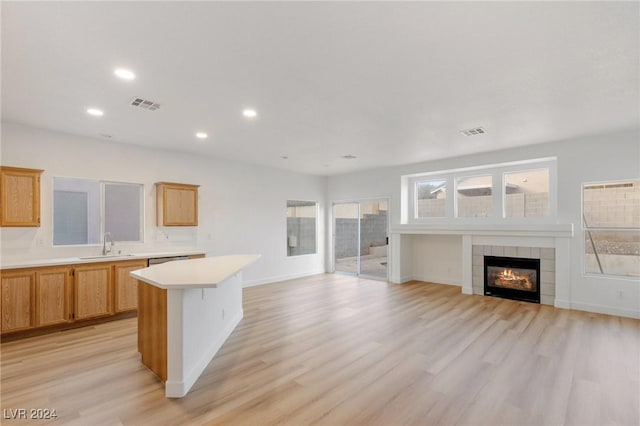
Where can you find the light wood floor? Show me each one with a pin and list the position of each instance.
(337, 350)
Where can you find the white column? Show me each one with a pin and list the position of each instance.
(395, 252)
(467, 264)
(563, 274)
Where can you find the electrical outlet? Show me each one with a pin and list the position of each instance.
(620, 293)
(223, 314)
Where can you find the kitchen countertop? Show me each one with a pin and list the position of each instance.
(194, 273)
(37, 263)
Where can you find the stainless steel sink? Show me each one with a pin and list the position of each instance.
(104, 256)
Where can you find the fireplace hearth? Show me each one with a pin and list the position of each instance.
(512, 278)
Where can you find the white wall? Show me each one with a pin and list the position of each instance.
(605, 157)
(437, 258)
(242, 208)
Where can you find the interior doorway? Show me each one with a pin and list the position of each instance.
(360, 238)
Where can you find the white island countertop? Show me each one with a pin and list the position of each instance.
(194, 273)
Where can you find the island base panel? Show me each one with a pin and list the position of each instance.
(152, 328)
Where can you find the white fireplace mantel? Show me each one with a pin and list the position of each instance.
(559, 230)
(556, 236)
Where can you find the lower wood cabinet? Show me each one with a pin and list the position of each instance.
(50, 297)
(18, 293)
(53, 297)
(126, 287)
(93, 290)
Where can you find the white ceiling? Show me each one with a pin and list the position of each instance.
(391, 83)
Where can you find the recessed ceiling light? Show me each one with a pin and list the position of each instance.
(250, 113)
(348, 157)
(284, 157)
(95, 112)
(201, 135)
(124, 74)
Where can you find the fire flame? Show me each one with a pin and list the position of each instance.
(509, 275)
(508, 278)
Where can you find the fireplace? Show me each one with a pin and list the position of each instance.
(512, 278)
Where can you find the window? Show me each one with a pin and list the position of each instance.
(473, 196)
(523, 191)
(526, 193)
(123, 211)
(431, 198)
(611, 220)
(84, 209)
(301, 227)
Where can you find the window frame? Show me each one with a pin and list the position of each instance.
(101, 185)
(553, 191)
(415, 197)
(317, 216)
(409, 208)
(456, 180)
(584, 229)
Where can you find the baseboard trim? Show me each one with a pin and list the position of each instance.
(601, 309)
(436, 280)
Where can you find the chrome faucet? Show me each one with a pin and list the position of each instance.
(106, 250)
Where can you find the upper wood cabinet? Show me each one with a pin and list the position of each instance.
(176, 204)
(19, 196)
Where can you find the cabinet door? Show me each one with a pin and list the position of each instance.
(53, 296)
(19, 197)
(93, 291)
(126, 287)
(177, 204)
(18, 289)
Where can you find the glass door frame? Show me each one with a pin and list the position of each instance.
(333, 238)
(332, 234)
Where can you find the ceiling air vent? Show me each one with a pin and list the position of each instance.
(145, 104)
(473, 132)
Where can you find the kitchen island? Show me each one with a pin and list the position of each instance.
(186, 311)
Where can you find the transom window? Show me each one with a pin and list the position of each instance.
(526, 193)
(520, 191)
(473, 196)
(430, 198)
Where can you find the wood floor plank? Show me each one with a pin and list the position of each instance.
(338, 350)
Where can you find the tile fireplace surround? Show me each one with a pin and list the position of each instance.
(547, 258)
(549, 243)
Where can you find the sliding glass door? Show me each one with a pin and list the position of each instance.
(346, 237)
(360, 238)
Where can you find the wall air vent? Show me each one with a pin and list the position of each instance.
(145, 104)
(473, 132)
